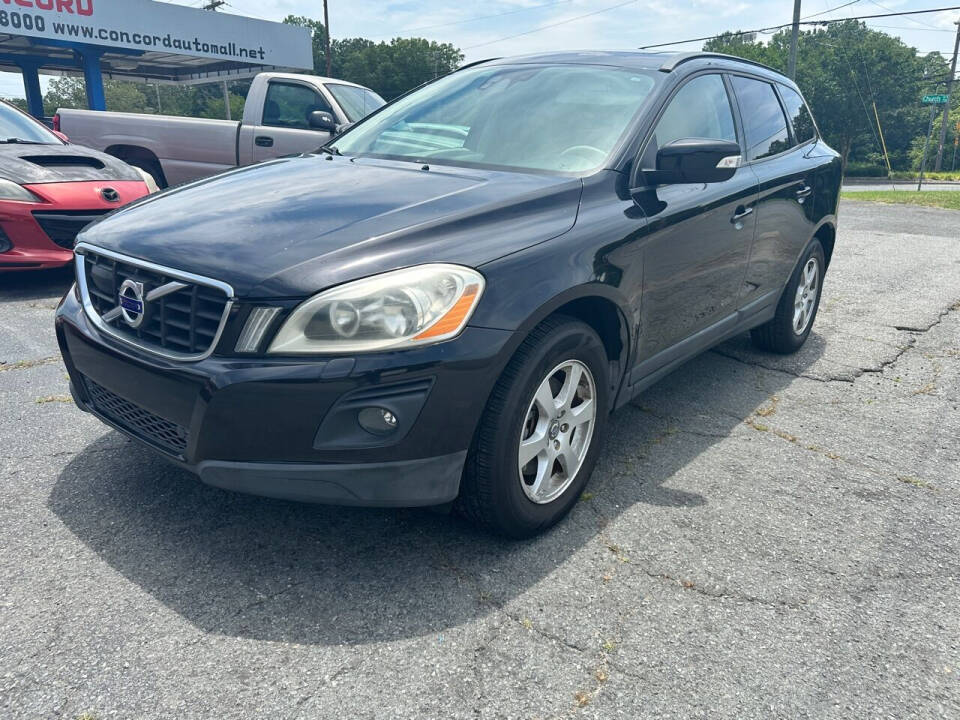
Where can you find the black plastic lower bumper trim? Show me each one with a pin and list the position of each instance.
(410, 483)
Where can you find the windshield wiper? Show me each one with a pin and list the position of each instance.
(329, 150)
(20, 141)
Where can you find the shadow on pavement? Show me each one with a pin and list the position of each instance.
(278, 571)
(35, 284)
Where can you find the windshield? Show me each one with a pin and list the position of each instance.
(14, 125)
(357, 102)
(561, 118)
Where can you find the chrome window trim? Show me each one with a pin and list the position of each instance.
(95, 318)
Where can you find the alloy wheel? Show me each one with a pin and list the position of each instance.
(557, 431)
(805, 301)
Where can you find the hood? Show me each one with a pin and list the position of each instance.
(38, 164)
(292, 227)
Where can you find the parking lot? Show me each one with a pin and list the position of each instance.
(764, 536)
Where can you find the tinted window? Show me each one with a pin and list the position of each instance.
(356, 102)
(701, 109)
(763, 120)
(289, 105)
(800, 117)
(562, 118)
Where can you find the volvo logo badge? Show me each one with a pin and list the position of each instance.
(132, 303)
(110, 195)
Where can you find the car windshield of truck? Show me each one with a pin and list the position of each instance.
(357, 102)
(555, 118)
(16, 127)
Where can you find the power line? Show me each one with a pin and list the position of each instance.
(916, 22)
(552, 25)
(487, 17)
(834, 9)
(911, 29)
(803, 22)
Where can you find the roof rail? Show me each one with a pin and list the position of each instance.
(475, 63)
(675, 60)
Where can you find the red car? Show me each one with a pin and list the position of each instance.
(50, 190)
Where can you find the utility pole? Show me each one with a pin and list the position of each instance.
(794, 40)
(326, 29)
(946, 108)
(213, 5)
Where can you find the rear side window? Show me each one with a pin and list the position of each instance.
(701, 109)
(289, 105)
(799, 114)
(763, 121)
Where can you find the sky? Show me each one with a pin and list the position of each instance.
(496, 28)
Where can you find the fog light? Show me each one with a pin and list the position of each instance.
(378, 421)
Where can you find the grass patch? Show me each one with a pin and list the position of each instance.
(949, 199)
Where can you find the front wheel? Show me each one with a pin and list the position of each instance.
(788, 330)
(541, 432)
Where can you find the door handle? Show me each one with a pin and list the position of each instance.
(804, 192)
(264, 141)
(739, 215)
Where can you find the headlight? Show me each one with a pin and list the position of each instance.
(152, 186)
(9, 190)
(403, 308)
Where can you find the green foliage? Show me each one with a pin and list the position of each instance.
(866, 169)
(390, 69)
(941, 176)
(949, 199)
(842, 69)
(187, 100)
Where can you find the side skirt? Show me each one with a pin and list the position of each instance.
(666, 361)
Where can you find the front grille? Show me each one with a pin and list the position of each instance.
(182, 324)
(142, 423)
(63, 227)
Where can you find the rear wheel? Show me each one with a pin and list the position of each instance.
(152, 168)
(541, 432)
(790, 327)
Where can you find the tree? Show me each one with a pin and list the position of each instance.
(70, 92)
(390, 69)
(187, 100)
(842, 69)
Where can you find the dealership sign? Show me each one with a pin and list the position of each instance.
(159, 27)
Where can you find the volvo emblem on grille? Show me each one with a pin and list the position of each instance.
(132, 303)
(110, 195)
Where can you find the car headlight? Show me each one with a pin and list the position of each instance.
(152, 186)
(403, 308)
(9, 190)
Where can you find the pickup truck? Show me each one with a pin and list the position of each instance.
(285, 114)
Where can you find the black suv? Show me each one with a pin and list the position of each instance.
(447, 303)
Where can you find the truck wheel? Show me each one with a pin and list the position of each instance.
(152, 167)
(791, 326)
(541, 432)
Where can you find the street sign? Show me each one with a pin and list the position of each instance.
(936, 99)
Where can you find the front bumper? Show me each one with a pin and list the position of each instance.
(26, 245)
(288, 427)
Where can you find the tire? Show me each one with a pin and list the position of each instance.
(152, 168)
(781, 335)
(496, 493)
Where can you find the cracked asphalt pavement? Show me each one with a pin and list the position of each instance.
(764, 537)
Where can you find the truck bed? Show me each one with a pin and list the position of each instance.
(187, 148)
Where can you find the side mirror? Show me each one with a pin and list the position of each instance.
(695, 160)
(323, 121)
(61, 135)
